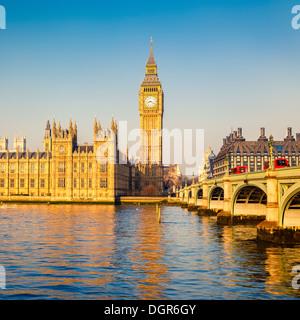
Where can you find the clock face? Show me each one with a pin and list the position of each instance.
(150, 101)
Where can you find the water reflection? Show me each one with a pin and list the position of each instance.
(122, 252)
(148, 255)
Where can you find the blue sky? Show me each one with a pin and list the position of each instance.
(223, 64)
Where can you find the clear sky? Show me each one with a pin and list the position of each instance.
(223, 64)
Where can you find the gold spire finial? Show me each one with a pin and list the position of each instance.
(151, 60)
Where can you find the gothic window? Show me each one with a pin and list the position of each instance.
(61, 183)
(22, 168)
(103, 183)
(103, 168)
(61, 167)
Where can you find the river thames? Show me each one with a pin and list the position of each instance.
(123, 252)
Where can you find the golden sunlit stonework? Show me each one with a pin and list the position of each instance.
(151, 108)
(67, 171)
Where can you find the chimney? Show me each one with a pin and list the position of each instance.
(262, 135)
(298, 136)
(240, 135)
(234, 134)
(289, 136)
(224, 141)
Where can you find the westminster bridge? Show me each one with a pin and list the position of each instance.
(271, 198)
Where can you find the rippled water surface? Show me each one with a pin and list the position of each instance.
(122, 252)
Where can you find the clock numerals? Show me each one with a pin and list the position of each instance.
(150, 101)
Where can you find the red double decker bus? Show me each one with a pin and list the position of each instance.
(278, 163)
(240, 169)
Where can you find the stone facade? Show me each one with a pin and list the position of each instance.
(151, 109)
(172, 178)
(67, 171)
(253, 154)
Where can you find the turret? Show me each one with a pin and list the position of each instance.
(4, 143)
(97, 128)
(70, 126)
(20, 143)
(48, 138)
(64, 140)
(54, 130)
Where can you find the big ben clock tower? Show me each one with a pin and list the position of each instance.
(151, 109)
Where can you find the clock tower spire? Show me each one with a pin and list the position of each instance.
(151, 109)
(151, 61)
(151, 69)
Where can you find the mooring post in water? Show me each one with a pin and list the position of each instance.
(158, 215)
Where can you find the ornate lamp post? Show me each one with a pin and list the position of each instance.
(227, 165)
(204, 177)
(270, 144)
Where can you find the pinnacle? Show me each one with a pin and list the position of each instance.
(151, 60)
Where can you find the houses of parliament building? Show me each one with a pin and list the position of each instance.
(65, 170)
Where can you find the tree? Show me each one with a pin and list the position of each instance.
(149, 191)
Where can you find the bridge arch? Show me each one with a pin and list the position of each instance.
(289, 213)
(216, 198)
(199, 197)
(182, 195)
(249, 199)
(189, 195)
